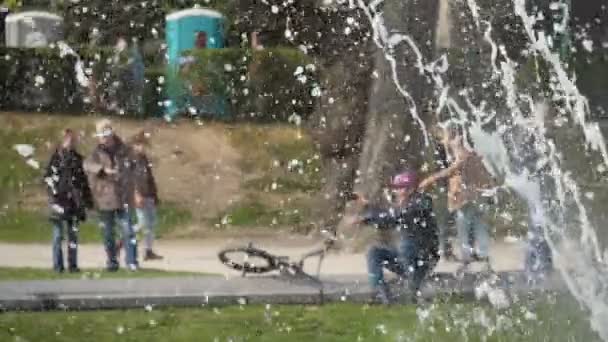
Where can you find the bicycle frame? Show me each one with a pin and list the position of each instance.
(297, 268)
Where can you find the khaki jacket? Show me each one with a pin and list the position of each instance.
(111, 191)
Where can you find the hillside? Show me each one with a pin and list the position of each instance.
(212, 176)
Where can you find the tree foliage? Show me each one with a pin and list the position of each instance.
(100, 22)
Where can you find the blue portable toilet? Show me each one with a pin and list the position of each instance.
(187, 30)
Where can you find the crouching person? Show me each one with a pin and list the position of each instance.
(110, 172)
(146, 193)
(69, 196)
(411, 216)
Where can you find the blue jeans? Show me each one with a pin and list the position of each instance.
(469, 220)
(379, 258)
(407, 262)
(147, 220)
(442, 216)
(71, 225)
(417, 262)
(538, 253)
(108, 219)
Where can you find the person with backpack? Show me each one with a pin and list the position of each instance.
(69, 198)
(417, 249)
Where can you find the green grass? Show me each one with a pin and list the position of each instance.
(285, 184)
(253, 213)
(336, 322)
(268, 149)
(27, 226)
(26, 273)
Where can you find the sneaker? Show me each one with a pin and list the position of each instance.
(133, 267)
(74, 270)
(112, 268)
(150, 255)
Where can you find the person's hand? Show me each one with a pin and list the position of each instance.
(352, 220)
(361, 200)
(110, 172)
(425, 183)
(57, 208)
(139, 200)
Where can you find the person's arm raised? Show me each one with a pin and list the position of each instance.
(445, 173)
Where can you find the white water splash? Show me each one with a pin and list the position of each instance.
(386, 43)
(66, 50)
(580, 261)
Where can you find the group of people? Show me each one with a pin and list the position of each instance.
(412, 228)
(116, 180)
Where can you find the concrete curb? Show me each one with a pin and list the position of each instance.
(217, 291)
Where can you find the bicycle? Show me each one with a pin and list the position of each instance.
(259, 261)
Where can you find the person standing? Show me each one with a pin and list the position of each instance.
(443, 215)
(468, 179)
(146, 193)
(110, 172)
(69, 197)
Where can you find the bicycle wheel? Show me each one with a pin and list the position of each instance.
(248, 259)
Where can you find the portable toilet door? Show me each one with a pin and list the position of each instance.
(4, 12)
(33, 29)
(186, 30)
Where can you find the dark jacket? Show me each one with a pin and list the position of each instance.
(111, 191)
(67, 185)
(144, 182)
(415, 220)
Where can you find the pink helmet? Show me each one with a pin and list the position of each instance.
(404, 180)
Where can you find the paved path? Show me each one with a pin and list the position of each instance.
(343, 278)
(201, 256)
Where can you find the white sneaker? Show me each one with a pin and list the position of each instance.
(133, 268)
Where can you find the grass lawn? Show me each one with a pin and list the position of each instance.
(255, 212)
(26, 273)
(543, 321)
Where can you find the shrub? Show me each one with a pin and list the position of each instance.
(261, 85)
(41, 79)
(153, 92)
(36, 79)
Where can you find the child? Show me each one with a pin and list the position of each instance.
(412, 217)
(146, 194)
